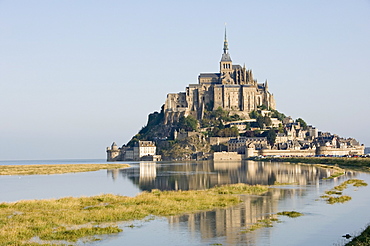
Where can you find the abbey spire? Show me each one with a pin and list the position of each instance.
(226, 66)
(226, 45)
(226, 55)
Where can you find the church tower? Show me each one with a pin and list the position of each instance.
(226, 66)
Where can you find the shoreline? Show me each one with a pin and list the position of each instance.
(47, 169)
(356, 164)
(71, 219)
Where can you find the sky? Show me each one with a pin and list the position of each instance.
(77, 75)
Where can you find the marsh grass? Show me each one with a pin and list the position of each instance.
(269, 222)
(339, 199)
(335, 195)
(262, 223)
(291, 214)
(333, 192)
(362, 164)
(72, 218)
(55, 169)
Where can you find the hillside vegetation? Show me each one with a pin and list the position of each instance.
(213, 124)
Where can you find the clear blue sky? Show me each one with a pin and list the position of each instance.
(77, 75)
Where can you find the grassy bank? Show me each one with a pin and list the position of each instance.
(72, 218)
(362, 164)
(55, 169)
(362, 240)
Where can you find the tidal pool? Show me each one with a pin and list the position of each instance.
(322, 224)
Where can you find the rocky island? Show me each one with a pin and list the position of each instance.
(227, 116)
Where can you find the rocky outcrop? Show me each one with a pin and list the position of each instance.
(185, 149)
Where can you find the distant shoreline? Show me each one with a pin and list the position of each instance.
(55, 168)
(359, 164)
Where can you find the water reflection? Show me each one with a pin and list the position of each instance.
(188, 176)
(230, 222)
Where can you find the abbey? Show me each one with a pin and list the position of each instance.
(233, 118)
(233, 89)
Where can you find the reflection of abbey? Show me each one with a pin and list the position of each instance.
(232, 88)
(227, 115)
(228, 223)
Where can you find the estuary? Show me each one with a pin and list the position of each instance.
(295, 188)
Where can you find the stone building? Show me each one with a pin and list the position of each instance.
(143, 150)
(240, 144)
(233, 89)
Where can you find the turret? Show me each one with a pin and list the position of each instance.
(113, 153)
(114, 146)
(266, 86)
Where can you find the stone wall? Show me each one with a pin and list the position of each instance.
(113, 155)
(303, 153)
(227, 156)
(218, 140)
(308, 152)
(323, 150)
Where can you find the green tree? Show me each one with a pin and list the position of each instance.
(260, 121)
(228, 132)
(278, 115)
(254, 114)
(135, 139)
(267, 120)
(271, 136)
(188, 123)
(235, 117)
(219, 113)
(263, 121)
(302, 123)
(221, 125)
(281, 128)
(262, 107)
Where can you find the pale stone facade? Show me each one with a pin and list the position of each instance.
(142, 150)
(240, 144)
(232, 88)
(322, 145)
(226, 156)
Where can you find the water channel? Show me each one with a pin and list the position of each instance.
(322, 223)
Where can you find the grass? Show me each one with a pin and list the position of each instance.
(334, 175)
(335, 195)
(55, 169)
(268, 222)
(339, 199)
(361, 240)
(72, 218)
(361, 164)
(291, 214)
(263, 223)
